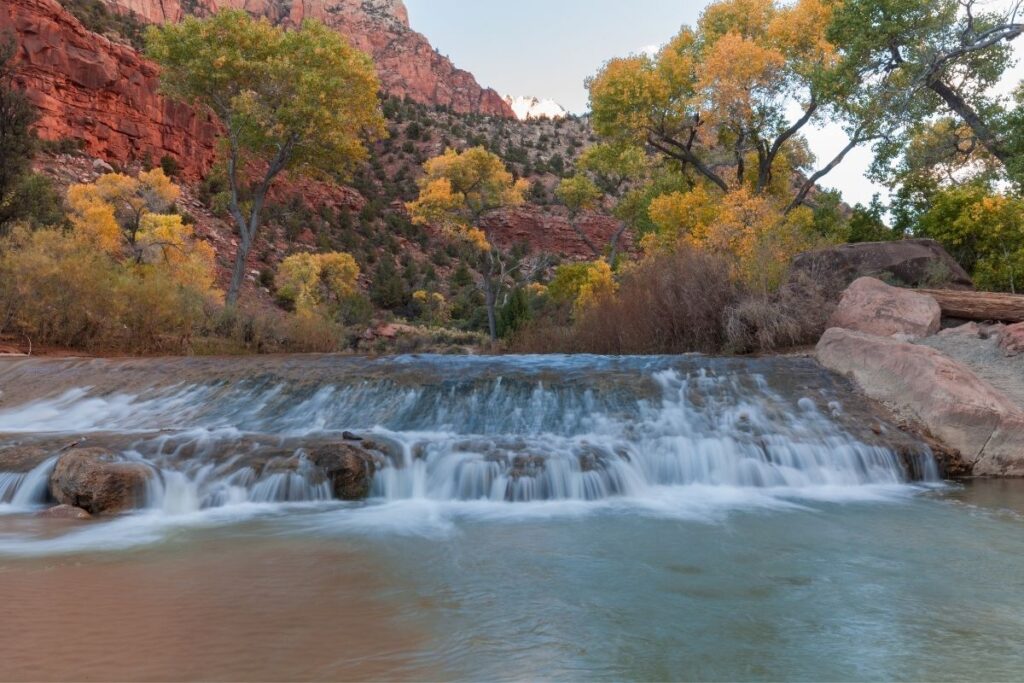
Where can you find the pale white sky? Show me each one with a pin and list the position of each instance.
(548, 47)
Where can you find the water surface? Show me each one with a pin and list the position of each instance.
(535, 518)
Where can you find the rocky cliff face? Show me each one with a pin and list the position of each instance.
(406, 62)
(102, 93)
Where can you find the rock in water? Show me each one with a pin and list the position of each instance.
(64, 512)
(871, 306)
(98, 482)
(349, 468)
(960, 409)
(914, 263)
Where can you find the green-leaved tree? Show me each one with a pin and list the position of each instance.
(302, 100)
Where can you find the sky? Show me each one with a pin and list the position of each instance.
(547, 48)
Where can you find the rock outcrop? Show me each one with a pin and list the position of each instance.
(103, 93)
(551, 232)
(914, 263)
(98, 482)
(406, 62)
(964, 412)
(871, 306)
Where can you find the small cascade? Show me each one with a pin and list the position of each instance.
(510, 429)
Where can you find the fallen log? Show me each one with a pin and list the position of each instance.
(980, 306)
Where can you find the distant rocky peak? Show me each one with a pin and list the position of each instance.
(393, 10)
(526, 108)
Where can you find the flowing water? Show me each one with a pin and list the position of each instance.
(531, 517)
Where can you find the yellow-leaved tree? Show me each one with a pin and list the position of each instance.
(128, 218)
(750, 229)
(318, 283)
(728, 99)
(457, 190)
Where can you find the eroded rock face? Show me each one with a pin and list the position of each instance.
(914, 263)
(870, 305)
(349, 468)
(551, 232)
(98, 482)
(103, 93)
(960, 409)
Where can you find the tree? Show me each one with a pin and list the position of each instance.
(922, 58)
(129, 219)
(17, 142)
(317, 282)
(580, 195)
(457, 191)
(983, 229)
(603, 170)
(302, 100)
(118, 209)
(750, 229)
(728, 100)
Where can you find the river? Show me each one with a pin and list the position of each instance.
(535, 518)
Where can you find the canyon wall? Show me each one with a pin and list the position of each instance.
(102, 93)
(406, 62)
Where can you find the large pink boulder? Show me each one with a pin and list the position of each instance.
(960, 409)
(871, 306)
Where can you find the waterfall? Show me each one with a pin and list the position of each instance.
(508, 429)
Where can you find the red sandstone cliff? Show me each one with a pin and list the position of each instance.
(406, 62)
(103, 93)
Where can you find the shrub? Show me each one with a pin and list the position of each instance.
(667, 303)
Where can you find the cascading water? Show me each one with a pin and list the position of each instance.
(509, 429)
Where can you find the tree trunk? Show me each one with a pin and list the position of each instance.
(981, 306)
(238, 274)
(489, 296)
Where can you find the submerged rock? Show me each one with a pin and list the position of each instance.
(960, 409)
(64, 512)
(349, 468)
(870, 305)
(98, 481)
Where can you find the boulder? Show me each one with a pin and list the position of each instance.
(98, 482)
(956, 406)
(1011, 340)
(64, 512)
(870, 305)
(349, 468)
(914, 263)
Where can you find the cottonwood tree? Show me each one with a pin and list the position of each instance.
(302, 100)
(457, 191)
(728, 99)
(927, 58)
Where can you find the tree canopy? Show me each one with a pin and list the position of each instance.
(302, 100)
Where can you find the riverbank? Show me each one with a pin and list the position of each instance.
(962, 385)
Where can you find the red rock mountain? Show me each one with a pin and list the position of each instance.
(406, 62)
(104, 93)
(100, 92)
